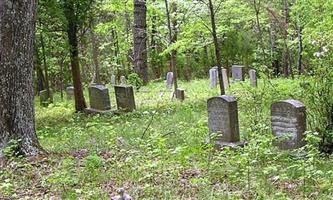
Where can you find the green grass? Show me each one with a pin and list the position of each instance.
(160, 151)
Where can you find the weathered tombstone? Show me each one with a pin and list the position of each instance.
(289, 123)
(123, 80)
(70, 92)
(44, 98)
(113, 80)
(169, 80)
(213, 76)
(180, 94)
(238, 72)
(253, 77)
(125, 98)
(225, 78)
(223, 120)
(99, 98)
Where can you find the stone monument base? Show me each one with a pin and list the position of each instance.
(95, 111)
(221, 145)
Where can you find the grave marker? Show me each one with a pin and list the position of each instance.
(70, 92)
(99, 98)
(289, 123)
(238, 72)
(253, 77)
(180, 94)
(123, 80)
(225, 78)
(125, 98)
(223, 120)
(213, 76)
(113, 80)
(169, 80)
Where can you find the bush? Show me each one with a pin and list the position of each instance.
(135, 80)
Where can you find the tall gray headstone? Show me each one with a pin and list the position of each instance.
(289, 123)
(238, 72)
(223, 120)
(70, 92)
(253, 78)
(125, 98)
(113, 80)
(213, 77)
(225, 78)
(99, 97)
(123, 80)
(169, 80)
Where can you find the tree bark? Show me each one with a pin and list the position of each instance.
(174, 40)
(217, 47)
(300, 46)
(95, 52)
(39, 72)
(46, 70)
(140, 39)
(17, 114)
(80, 103)
(256, 5)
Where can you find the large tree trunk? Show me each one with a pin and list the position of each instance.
(140, 39)
(17, 37)
(80, 103)
(217, 47)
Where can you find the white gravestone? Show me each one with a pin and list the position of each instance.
(169, 80)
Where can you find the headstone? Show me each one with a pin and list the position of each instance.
(180, 94)
(123, 80)
(113, 80)
(289, 123)
(125, 98)
(223, 120)
(44, 98)
(253, 77)
(238, 72)
(169, 79)
(225, 78)
(213, 76)
(99, 98)
(70, 92)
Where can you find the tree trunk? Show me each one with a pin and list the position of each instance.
(140, 39)
(257, 5)
(17, 114)
(39, 72)
(217, 47)
(46, 70)
(80, 103)
(174, 40)
(300, 46)
(154, 54)
(95, 52)
(286, 54)
(273, 37)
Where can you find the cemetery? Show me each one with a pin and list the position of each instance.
(171, 99)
